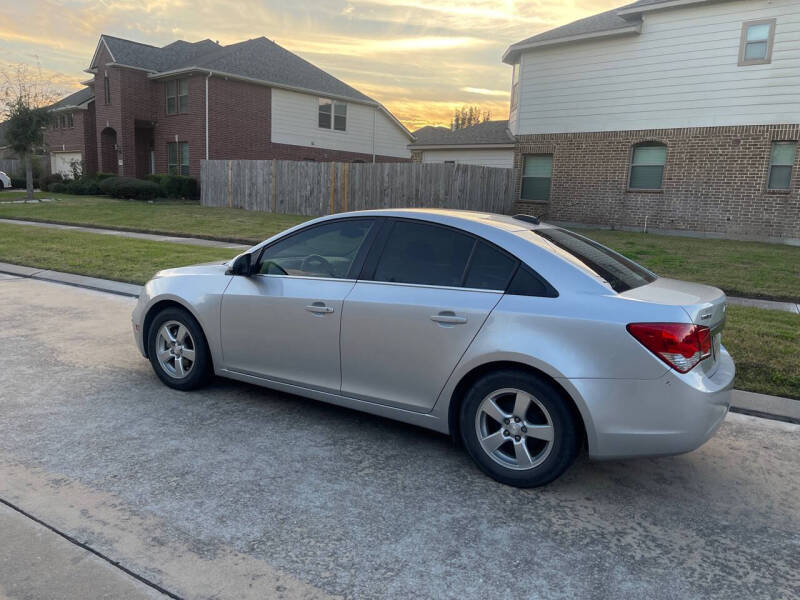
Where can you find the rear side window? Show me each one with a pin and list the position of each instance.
(489, 268)
(621, 273)
(424, 254)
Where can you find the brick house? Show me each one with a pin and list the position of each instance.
(488, 144)
(681, 114)
(159, 110)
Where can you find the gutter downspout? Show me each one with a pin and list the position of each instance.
(374, 111)
(207, 78)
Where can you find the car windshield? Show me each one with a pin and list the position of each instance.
(619, 272)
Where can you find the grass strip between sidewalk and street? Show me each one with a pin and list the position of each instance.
(765, 344)
(749, 269)
(97, 255)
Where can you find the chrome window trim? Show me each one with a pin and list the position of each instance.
(435, 287)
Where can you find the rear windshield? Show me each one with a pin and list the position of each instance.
(620, 273)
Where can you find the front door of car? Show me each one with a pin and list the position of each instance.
(423, 297)
(282, 323)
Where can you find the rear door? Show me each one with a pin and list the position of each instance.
(425, 292)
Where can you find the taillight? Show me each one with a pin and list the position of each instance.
(680, 345)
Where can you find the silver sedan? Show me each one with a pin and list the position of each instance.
(526, 342)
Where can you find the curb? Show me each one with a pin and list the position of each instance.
(120, 288)
(749, 403)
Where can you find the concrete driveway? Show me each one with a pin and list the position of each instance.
(239, 492)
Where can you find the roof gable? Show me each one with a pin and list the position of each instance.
(618, 21)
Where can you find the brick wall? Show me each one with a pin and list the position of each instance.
(78, 138)
(715, 180)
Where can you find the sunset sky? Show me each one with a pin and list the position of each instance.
(421, 58)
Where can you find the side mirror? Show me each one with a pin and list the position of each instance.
(241, 265)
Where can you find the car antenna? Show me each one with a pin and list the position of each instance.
(527, 219)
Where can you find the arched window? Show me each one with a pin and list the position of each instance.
(647, 166)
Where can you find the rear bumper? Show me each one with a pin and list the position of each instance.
(669, 415)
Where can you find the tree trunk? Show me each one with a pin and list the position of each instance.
(28, 177)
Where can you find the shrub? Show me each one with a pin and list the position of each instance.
(19, 182)
(86, 186)
(101, 176)
(128, 187)
(176, 186)
(57, 187)
(54, 178)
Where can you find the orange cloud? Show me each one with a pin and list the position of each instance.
(421, 59)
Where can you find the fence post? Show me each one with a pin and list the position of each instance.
(230, 184)
(274, 187)
(333, 187)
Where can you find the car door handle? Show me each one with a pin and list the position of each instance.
(449, 317)
(319, 308)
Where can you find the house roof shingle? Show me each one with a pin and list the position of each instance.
(82, 96)
(608, 22)
(258, 58)
(486, 133)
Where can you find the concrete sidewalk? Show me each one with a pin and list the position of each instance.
(38, 564)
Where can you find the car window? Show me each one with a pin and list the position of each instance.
(621, 273)
(320, 251)
(424, 254)
(490, 268)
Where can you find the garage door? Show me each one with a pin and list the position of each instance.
(61, 162)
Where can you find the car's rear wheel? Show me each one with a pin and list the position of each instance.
(178, 350)
(518, 428)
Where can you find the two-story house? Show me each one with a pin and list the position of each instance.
(677, 114)
(162, 110)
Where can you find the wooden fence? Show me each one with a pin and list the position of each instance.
(312, 188)
(11, 166)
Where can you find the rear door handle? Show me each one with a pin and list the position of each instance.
(449, 317)
(319, 308)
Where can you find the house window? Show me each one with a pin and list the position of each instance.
(755, 47)
(515, 87)
(106, 89)
(780, 165)
(70, 120)
(177, 96)
(537, 173)
(647, 166)
(332, 114)
(178, 158)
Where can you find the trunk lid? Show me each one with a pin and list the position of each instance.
(704, 304)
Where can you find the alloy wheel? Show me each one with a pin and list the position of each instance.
(175, 349)
(514, 429)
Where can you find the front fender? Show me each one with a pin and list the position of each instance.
(201, 295)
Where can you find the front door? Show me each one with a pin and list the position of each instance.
(405, 329)
(283, 322)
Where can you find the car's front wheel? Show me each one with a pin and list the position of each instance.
(518, 428)
(178, 350)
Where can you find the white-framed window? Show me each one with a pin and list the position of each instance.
(537, 175)
(332, 115)
(177, 96)
(755, 47)
(178, 158)
(781, 164)
(647, 166)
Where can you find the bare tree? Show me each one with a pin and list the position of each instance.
(25, 96)
(467, 116)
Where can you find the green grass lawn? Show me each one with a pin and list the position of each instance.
(765, 344)
(98, 255)
(751, 269)
(174, 217)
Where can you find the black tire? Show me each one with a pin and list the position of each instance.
(549, 408)
(201, 368)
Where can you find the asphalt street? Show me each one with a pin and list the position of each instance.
(239, 492)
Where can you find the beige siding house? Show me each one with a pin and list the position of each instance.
(488, 144)
(681, 113)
